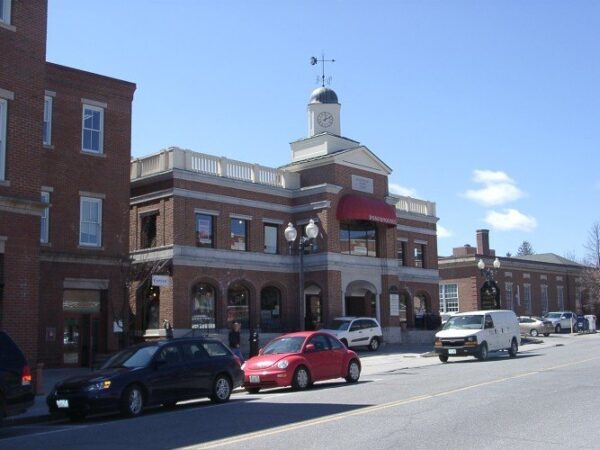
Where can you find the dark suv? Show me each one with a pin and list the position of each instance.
(16, 389)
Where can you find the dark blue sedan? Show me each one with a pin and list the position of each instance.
(153, 373)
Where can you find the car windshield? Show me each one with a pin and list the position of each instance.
(464, 323)
(552, 316)
(131, 357)
(339, 324)
(284, 345)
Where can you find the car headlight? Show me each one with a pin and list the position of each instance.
(471, 340)
(283, 364)
(101, 386)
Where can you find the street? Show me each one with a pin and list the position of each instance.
(545, 398)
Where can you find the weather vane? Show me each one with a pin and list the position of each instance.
(314, 61)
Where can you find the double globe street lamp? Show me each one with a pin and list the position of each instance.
(490, 294)
(311, 232)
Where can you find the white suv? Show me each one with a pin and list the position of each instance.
(357, 332)
(562, 320)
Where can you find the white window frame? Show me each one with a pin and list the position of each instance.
(5, 12)
(100, 149)
(97, 201)
(544, 294)
(560, 298)
(444, 299)
(47, 131)
(265, 227)
(45, 219)
(508, 296)
(3, 121)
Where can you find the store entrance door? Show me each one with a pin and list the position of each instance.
(82, 327)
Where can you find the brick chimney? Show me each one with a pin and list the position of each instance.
(483, 242)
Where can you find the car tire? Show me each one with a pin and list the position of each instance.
(374, 344)
(132, 401)
(534, 332)
(353, 373)
(482, 354)
(345, 342)
(221, 389)
(252, 390)
(443, 358)
(558, 329)
(514, 348)
(546, 334)
(301, 379)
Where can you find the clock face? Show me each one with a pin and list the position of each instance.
(325, 119)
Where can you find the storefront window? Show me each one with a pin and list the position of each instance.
(358, 238)
(203, 306)
(270, 309)
(237, 305)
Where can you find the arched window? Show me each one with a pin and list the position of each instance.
(237, 305)
(203, 306)
(270, 309)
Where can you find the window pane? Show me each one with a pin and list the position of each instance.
(271, 232)
(238, 234)
(344, 239)
(203, 306)
(204, 230)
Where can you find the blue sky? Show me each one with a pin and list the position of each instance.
(489, 108)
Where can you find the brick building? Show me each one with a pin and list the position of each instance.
(529, 285)
(214, 228)
(64, 194)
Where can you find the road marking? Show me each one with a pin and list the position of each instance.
(370, 409)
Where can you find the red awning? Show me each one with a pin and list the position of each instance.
(357, 207)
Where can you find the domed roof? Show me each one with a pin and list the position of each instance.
(323, 95)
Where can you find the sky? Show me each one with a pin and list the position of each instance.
(491, 109)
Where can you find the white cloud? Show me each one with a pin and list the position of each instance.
(443, 232)
(511, 219)
(498, 188)
(402, 190)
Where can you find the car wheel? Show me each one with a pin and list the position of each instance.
(514, 348)
(546, 334)
(252, 390)
(76, 416)
(353, 373)
(345, 342)
(132, 401)
(221, 389)
(483, 352)
(443, 358)
(374, 344)
(534, 332)
(301, 379)
(558, 328)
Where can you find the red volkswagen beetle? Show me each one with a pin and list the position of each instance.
(300, 359)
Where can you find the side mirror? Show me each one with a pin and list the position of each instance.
(309, 348)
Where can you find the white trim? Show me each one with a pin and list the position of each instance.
(50, 93)
(97, 201)
(6, 94)
(45, 218)
(240, 216)
(420, 241)
(305, 221)
(208, 212)
(526, 276)
(420, 230)
(508, 274)
(48, 103)
(47, 189)
(96, 103)
(100, 150)
(273, 221)
(149, 212)
(86, 283)
(3, 128)
(92, 194)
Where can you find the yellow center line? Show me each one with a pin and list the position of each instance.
(370, 409)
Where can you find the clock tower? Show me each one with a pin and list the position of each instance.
(323, 112)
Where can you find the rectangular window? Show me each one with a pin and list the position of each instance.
(544, 298)
(5, 11)
(90, 226)
(239, 235)
(3, 108)
(448, 298)
(508, 295)
(271, 234)
(420, 255)
(205, 230)
(45, 220)
(92, 131)
(527, 298)
(358, 239)
(560, 297)
(148, 235)
(47, 130)
(401, 253)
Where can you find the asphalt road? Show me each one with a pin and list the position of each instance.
(545, 398)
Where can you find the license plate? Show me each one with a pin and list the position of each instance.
(254, 379)
(452, 351)
(62, 403)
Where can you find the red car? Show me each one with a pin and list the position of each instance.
(300, 359)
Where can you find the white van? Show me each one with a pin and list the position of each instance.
(476, 333)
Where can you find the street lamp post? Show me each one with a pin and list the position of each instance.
(290, 234)
(489, 285)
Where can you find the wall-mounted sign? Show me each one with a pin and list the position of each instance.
(362, 184)
(160, 280)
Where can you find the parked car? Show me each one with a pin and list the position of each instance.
(562, 320)
(16, 389)
(356, 332)
(535, 326)
(299, 360)
(477, 333)
(153, 373)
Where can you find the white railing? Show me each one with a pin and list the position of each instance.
(416, 206)
(176, 158)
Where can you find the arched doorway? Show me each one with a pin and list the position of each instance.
(421, 308)
(490, 295)
(270, 309)
(361, 299)
(204, 311)
(238, 301)
(313, 319)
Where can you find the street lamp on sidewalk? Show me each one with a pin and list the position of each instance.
(290, 233)
(490, 293)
